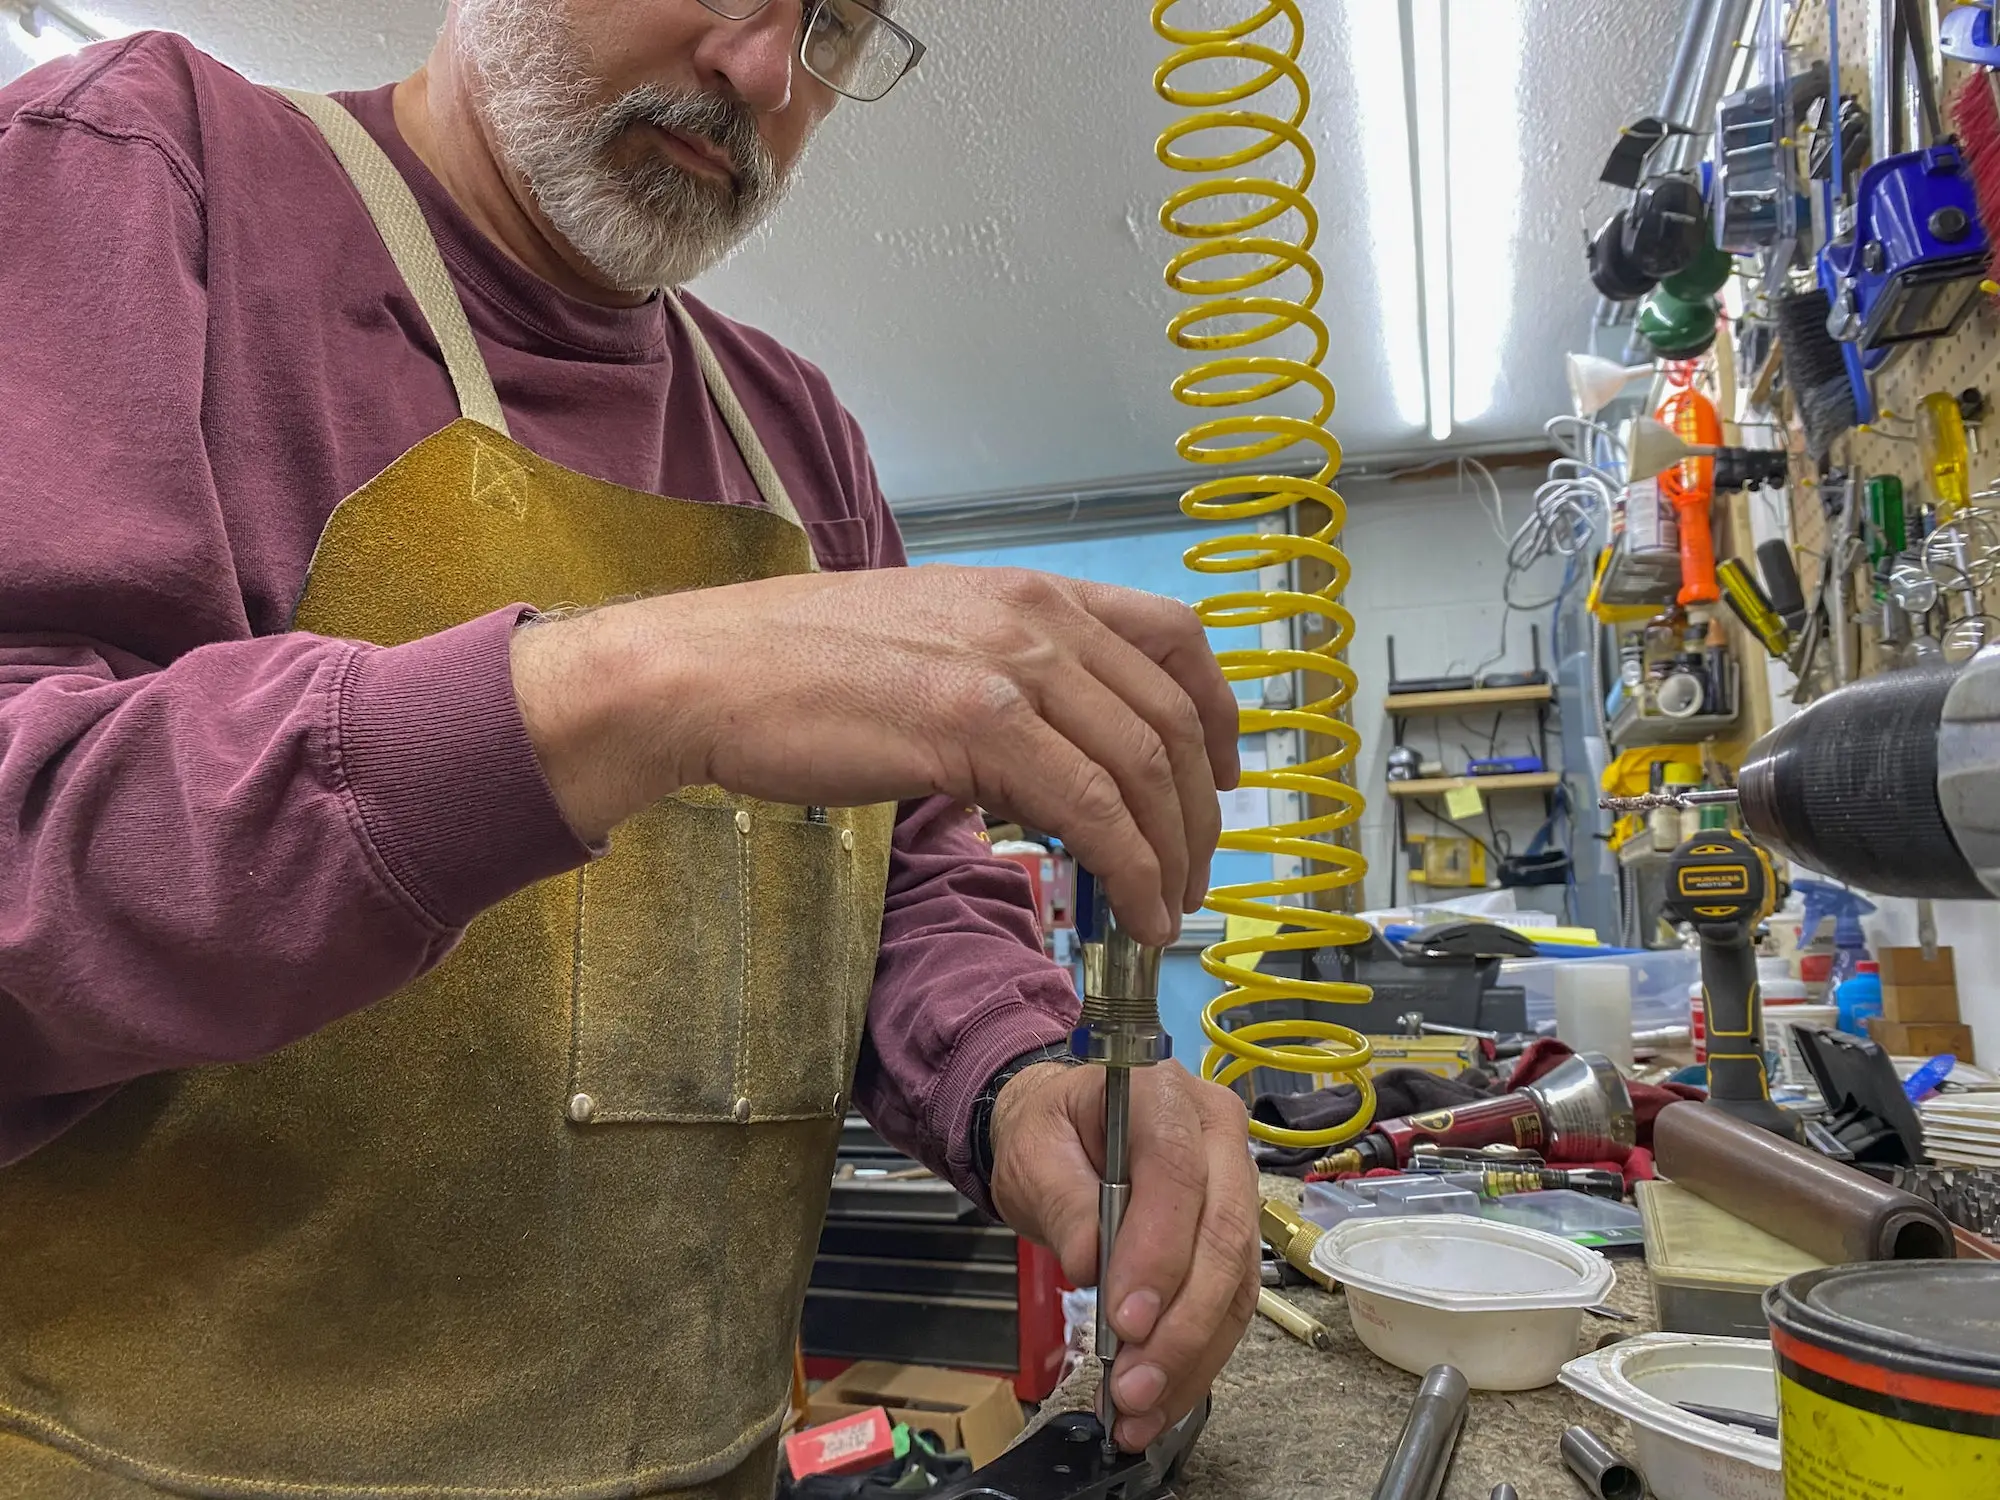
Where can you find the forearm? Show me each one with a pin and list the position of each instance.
(203, 863)
(962, 988)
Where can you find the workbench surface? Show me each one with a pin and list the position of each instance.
(1292, 1423)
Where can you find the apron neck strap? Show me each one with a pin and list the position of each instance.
(400, 221)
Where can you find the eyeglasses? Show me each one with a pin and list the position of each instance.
(848, 45)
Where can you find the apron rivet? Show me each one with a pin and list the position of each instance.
(742, 1111)
(581, 1107)
(742, 821)
(836, 1101)
(847, 839)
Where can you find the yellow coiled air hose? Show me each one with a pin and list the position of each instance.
(1251, 256)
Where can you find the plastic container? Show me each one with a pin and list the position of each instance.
(1502, 1303)
(1594, 1009)
(1859, 997)
(1331, 1203)
(1660, 980)
(1889, 1379)
(1710, 1270)
(1580, 1218)
(1684, 1456)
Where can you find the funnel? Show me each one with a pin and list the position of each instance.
(1653, 447)
(1588, 1110)
(1594, 382)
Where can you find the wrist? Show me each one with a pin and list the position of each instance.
(989, 1112)
(607, 700)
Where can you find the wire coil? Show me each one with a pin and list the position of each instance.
(1234, 221)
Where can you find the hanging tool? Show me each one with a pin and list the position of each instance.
(1912, 266)
(1120, 1030)
(1747, 602)
(1578, 1111)
(1690, 488)
(1417, 1469)
(1495, 1171)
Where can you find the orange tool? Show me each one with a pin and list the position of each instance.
(1689, 487)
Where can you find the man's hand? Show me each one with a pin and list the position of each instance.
(1183, 1278)
(1096, 713)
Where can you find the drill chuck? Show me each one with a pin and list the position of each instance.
(1891, 783)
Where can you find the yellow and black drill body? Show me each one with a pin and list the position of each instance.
(1723, 885)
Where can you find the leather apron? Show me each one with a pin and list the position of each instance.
(539, 1224)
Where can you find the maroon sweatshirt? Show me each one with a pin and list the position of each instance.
(217, 835)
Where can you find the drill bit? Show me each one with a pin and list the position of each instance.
(1120, 1030)
(1646, 802)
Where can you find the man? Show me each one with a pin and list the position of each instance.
(477, 794)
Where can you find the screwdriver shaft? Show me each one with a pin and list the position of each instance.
(1112, 1193)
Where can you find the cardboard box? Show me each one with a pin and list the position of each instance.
(1909, 966)
(1906, 1040)
(975, 1412)
(1921, 1004)
(852, 1445)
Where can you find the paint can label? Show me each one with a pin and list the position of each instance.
(1836, 1450)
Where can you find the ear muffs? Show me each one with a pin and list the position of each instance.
(1611, 271)
(1665, 226)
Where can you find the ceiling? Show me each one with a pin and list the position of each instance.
(976, 260)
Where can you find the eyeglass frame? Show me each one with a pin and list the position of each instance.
(807, 13)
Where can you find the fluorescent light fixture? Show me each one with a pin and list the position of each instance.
(1425, 66)
(1373, 77)
(44, 32)
(1485, 184)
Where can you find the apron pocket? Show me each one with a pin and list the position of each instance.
(656, 1027)
(801, 1008)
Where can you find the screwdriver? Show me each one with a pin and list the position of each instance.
(1119, 1030)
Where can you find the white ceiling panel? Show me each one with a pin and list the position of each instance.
(976, 260)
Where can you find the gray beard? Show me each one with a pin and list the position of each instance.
(642, 223)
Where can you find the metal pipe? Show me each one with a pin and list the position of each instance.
(1694, 25)
(1417, 1468)
(1602, 1471)
(1884, 109)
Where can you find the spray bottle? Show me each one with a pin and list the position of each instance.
(1847, 908)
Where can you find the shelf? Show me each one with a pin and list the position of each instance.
(1515, 781)
(1442, 703)
(1630, 728)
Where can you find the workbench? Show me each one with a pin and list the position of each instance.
(1291, 1422)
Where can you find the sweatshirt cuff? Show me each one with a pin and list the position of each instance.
(446, 782)
(995, 1039)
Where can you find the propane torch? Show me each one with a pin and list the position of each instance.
(1120, 1030)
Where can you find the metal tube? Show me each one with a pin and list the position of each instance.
(1602, 1471)
(1884, 108)
(1112, 1195)
(1417, 1468)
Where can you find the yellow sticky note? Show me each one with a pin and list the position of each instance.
(1464, 802)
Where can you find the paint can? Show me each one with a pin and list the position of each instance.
(1889, 1380)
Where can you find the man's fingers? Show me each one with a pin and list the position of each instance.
(1103, 724)
(1161, 1374)
(1047, 1189)
(1168, 632)
(1029, 772)
(1169, 1183)
(1165, 706)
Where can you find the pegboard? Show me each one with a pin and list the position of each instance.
(1968, 358)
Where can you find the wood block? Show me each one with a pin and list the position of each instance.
(1905, 1040)
(1921, 1004)
(1908, 966)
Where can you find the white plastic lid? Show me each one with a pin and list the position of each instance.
(1642, 1378)
(1457, 1263)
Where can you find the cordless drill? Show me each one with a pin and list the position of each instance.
(1120, 1030)
(1722, 885)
